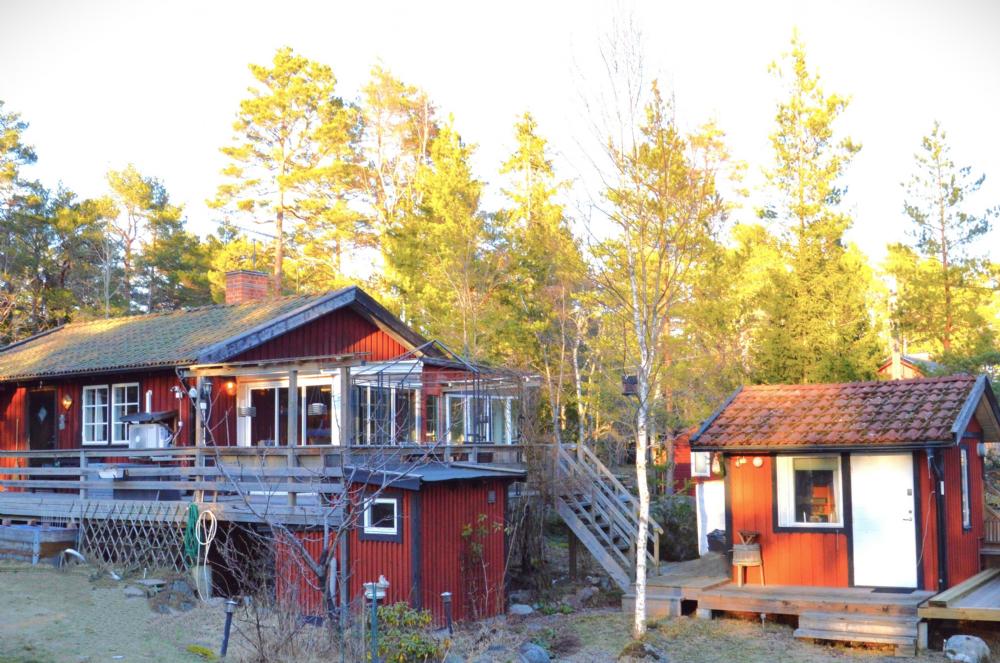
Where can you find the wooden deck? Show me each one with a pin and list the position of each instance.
(851, 614)
(976, 599)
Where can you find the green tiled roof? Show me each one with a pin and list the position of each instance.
(159, 339)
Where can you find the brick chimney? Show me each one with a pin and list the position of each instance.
(244, 285)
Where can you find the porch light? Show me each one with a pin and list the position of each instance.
(231, 388)
(67, 401)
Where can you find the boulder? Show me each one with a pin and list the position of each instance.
(135, 592)
(521, 596)
(966, 649)
(582, 597)
(529, 652)
(520, 609)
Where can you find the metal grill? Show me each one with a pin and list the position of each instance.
(134, 536)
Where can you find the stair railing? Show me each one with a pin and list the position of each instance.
(585, 474)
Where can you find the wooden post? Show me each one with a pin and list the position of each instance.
(293, 425)
(199, 438)
(574, 546)
(345, 411)
(345, 601)
(83, 473)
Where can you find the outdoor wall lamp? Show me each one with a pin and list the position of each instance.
(67, 401)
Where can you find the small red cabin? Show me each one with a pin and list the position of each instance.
(874, 484)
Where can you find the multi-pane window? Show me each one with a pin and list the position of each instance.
(491, 420)
(95, 415)
(431, 418)
(268, 425)
(124, 401)
(809, 491)
(381, 516)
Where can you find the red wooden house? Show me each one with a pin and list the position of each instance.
(876, 484)
(315, 389)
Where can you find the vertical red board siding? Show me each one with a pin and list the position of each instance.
(367, 560)
(790, 558)
(339, 332)
(963, 545)
(448, 509)
(222, 415)
(296, 586)
(927, 550)
(13, 409)
(163, 399)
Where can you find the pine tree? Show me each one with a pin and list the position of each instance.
(293, 153)
(439, 257)
(818, 326)
(942, 287)
(545, 275)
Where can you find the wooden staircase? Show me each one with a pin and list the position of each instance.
(904, 631)
(602, 513)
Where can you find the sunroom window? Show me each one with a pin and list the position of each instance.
(124, 401)
(809, 491)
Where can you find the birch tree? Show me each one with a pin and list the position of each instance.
(666, 211)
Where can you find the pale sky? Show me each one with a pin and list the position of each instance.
(158, 84)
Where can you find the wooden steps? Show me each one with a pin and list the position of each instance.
(603, 514)
(903, 632)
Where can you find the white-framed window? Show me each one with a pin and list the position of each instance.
(382, 516)
(264, 408)
(701, 463)
(810, 491)
(95, 414)
(493, 420)
(966, 509)
(124, 401)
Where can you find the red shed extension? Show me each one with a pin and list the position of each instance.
(445, 532)
(862, 484)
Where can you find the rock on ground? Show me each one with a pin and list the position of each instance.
(520, 609)
(532, 653)
(966, 649)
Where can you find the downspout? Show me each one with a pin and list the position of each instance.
(936, 462)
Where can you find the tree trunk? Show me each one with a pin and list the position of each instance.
(279, 249)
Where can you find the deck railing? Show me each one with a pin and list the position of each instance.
(201, 473)
(991, 532)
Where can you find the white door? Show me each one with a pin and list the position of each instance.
(882, 509)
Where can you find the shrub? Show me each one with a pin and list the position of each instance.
(403, 636)
(676, 514)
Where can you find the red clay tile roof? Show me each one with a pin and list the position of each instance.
(897, 413)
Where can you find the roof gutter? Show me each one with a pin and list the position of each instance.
(816, 448)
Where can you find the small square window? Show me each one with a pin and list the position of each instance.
(809, 491)
(381, 520)
(701, 464)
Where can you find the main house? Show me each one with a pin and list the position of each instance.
(876, 484)
(300, 412)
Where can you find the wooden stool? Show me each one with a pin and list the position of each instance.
(746, 553)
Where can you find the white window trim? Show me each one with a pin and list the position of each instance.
(371, 529)
(966, 500)
(490, 402)
(701, 463)
(113, 410)
(83, 416)
(243, 400)
(785, 489)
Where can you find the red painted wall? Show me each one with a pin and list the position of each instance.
(296, 586)
(367, 560)
(340, 332)
(448, 561)
(794, 558)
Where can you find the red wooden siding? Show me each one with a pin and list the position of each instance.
(340, 332)
(13, 437)
(963, 545)
(367, 560)
(927, 550)
(793, 558)
(296, 586)
(448, 510)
